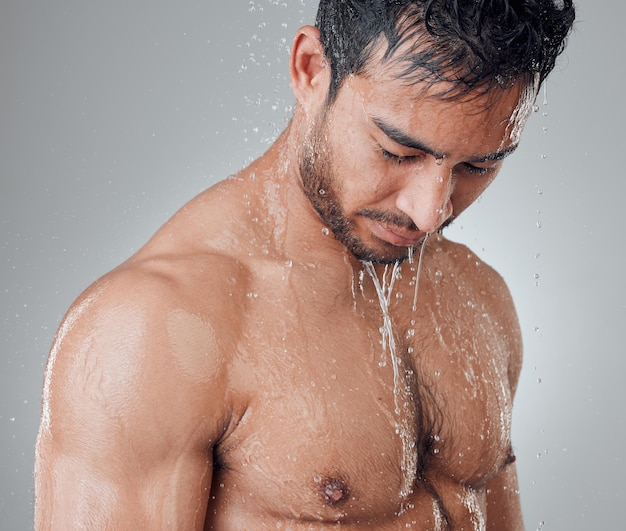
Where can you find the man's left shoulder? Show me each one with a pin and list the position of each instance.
(469, 271)
(483, 298)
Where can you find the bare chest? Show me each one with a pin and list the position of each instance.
(351, 416)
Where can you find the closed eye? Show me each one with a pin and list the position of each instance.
(397, 158)
(477, 170)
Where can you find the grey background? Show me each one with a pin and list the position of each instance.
(113, 114)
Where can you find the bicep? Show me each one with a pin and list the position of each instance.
(125, 439)
(79, 489)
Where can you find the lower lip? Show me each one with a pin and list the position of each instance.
(391, 237)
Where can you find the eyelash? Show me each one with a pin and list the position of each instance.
(397, 159)
(475, 170)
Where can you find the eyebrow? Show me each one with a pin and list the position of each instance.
(406, 140)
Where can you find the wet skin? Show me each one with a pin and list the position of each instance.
(231, 375)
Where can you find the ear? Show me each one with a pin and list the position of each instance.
(308, 69)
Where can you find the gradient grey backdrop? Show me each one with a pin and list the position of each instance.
(113, 114)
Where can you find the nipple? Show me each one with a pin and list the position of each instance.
(334, 491)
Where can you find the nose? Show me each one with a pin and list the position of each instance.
(425, 196)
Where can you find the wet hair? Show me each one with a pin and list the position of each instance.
(471, 45)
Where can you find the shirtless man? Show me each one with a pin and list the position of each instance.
(267, 360)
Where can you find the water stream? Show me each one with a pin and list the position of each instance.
(403, 403)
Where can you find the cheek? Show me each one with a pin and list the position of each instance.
(468, 190)
(357, 171)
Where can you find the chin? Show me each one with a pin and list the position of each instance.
(383, 253)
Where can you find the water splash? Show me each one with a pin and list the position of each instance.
(526, 105)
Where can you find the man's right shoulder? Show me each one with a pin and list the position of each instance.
(179, 312)
(154, 289)
(149, 332)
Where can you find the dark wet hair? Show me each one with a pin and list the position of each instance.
(473, 45)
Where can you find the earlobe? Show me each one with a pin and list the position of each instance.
(308, 69)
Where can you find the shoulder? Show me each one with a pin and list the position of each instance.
(470, 275)
(151, 334)
(136, 393)
(482, 296)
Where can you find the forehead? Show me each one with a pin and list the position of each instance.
(467, 125)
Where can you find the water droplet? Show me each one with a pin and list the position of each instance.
(325, 231)
(539, 224)
(439, 177)
(252, 295)
(321, 191)
(439, 161)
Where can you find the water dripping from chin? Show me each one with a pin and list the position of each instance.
(419, 267)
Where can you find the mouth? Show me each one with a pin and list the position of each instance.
(395, 235)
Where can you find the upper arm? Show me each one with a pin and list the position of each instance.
(133, 403)
(503, 502)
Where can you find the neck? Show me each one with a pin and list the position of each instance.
(281, 216)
